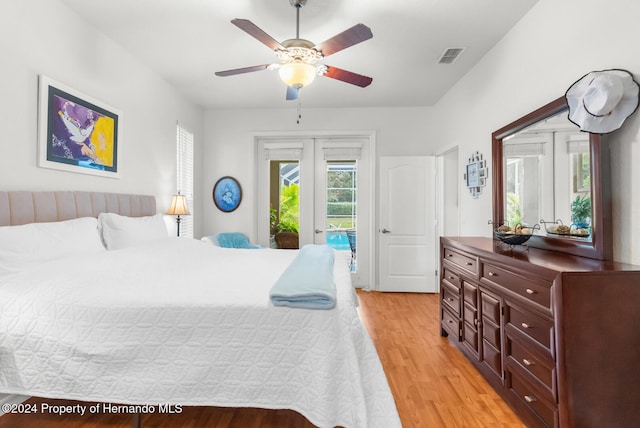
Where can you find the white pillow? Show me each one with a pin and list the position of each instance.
(211, 239)
(121, 231)
(22, 246)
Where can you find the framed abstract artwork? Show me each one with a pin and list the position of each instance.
(227, 194)
(76, 132)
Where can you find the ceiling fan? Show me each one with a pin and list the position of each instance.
(298, 59)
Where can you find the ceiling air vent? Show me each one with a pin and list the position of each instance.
(450, 55)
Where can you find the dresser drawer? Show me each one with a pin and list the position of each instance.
(541, 368)
(490, 307)
(492, 357)
(451, 277)
(491, 334)
(451, 298)
(470, 336)
(450, 323)
(470, 314)
(545, 411)
(468, 263)
(531, 325)
(470, 293)
(539, 293)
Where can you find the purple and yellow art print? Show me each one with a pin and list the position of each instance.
(77, 133)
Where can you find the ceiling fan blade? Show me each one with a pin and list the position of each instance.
(348, 77)
(354, 35)
(253, 30)
(242, 70)
(292, 93)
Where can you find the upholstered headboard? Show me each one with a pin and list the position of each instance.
(23, 207)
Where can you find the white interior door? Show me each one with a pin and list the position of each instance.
(407, 224)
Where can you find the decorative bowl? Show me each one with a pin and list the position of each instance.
(513, 238)
(557, 228)
(517, 235)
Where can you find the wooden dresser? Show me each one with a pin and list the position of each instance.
(557, 336)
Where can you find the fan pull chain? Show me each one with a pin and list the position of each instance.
(299, 112)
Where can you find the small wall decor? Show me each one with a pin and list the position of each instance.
(76, 132)
(227, 194)
(475, 175)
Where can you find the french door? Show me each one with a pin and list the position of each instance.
(331, 181)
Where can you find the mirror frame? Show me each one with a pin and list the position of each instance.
(601, 245)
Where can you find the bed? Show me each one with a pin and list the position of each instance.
(175, 321)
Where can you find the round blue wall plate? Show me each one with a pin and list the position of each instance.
(227, 194)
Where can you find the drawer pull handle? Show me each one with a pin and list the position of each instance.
(492, 274)
(449, 255)
(450, 321)
(528, 362)
(450, 299)
(525, 325)
(469, 264)
(529, 398)
(452, 278)
(530, 291)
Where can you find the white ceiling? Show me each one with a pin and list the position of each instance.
(186, 41)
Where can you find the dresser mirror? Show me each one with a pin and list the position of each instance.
(546, 171)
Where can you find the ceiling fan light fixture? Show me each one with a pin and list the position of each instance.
(297, 74)
(298, 50)
(299, 58)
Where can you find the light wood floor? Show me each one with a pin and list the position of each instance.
(432, 382)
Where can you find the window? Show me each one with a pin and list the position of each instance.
(184, 166)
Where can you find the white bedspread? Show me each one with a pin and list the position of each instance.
(179, 321)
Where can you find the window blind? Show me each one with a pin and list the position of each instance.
(578, 144)
(184, 166)
(344, 151)
(519, 149)
(288, 151)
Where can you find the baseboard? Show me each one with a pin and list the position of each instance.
(11, 399)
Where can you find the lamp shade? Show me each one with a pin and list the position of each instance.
(297, 74)
(178, 206)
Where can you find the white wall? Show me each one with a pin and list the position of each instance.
(230, 135)
(550, 48)
(555, 44)
(44, 37)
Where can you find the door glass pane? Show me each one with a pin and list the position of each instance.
(341, 220)
(284, 204)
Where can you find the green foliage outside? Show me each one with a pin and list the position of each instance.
(340, 208)
(342, 180)
(289, 211)
(339, 204)
(514, 215)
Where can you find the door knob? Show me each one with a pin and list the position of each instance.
(319, 231)
(386, 231)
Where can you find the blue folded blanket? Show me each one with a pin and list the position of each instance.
(308, 281)
(234, 240)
